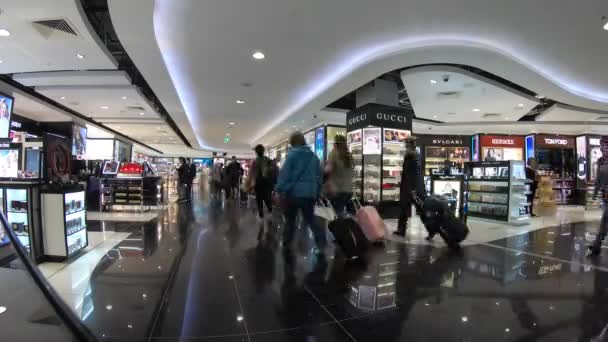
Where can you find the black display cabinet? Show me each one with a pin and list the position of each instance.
(376, 136)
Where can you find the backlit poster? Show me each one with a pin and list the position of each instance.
(320, 143)
(529, 148)
(450, 190)
(6, 109)
(396, 136)
(581, 157)
(371, 141)
(9, 163)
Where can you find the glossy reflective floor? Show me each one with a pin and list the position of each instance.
(213, 272)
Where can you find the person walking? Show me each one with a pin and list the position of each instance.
(339, 171)
(215, 179)
(531, 176)
(191, 176)
(234, 171)
(601, 186)
(182, 179)
(299, 187)
(410, 187)
(263, 176)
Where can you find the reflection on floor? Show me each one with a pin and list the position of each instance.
(121, 216)
(214, 272)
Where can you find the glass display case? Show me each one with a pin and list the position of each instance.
(64, 219)
(393, 151)
(18, 215)
(353, 140)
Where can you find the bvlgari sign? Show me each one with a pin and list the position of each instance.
(380, 116)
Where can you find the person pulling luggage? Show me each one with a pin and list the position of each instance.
(411, 186)
(339, 180)
(601, 185)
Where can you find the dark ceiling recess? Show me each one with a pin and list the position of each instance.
(99, 17)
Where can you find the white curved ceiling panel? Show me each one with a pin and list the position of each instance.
(318, 51)
(27, 49)
(450, 94)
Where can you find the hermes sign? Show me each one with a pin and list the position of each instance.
(379, 116)
(501, 141)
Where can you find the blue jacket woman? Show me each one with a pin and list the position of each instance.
(299, 184)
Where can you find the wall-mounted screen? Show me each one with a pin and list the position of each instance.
(99, 149)
(6, 109)
(110, 167)
(79, 141)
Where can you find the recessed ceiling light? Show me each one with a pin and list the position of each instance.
(124, 97)
(605, 23)
(240, 101)
(141, 113)
(258, 55)
(433, 81)
(4, 33)
(231, 123)
(63, 97)
(227, 134)
(104, 107)
(476, 109)
(539, 96)
(520, 105)
(1, 61)
(435, 116)
(80, 56)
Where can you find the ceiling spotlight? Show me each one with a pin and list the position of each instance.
(124, 97)
(239, 318)
(435, 116)
(539, 96)
(605, 22)
(63, 97)
(433, 82)
(476, 109)
(258, 55)
(520, 105)
(240, 101)
(141, 113)
(80, 56)
(227, 134)
(1, 61)
(104, 107)
(4, 33)
(231, 123)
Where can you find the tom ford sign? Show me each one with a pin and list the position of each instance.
(554, 141)
(380, 116)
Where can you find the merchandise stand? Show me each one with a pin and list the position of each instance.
(555, 158)
(497, 191)
(376, 136)
(21, 204)
(453, 189)
(64, 215)
(129, 186)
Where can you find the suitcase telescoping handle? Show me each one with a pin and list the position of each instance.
(356, 203)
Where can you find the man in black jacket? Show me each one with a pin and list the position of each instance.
(183, 176)
(410, 187)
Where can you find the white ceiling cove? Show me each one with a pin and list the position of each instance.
(27, 50)
(317, 51)
(450, 94)
(565, 113)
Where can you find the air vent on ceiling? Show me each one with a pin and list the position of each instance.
(448, 95)
(468, 85)
(601, 118)
(54, 28)
(491, 115)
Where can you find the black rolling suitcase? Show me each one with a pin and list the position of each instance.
(438, 218)
(349, 236)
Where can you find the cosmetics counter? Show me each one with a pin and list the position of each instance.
(497, 191)
(376, 136)
(125, 186)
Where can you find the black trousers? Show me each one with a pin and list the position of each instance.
(263, 194)
(597, 245)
